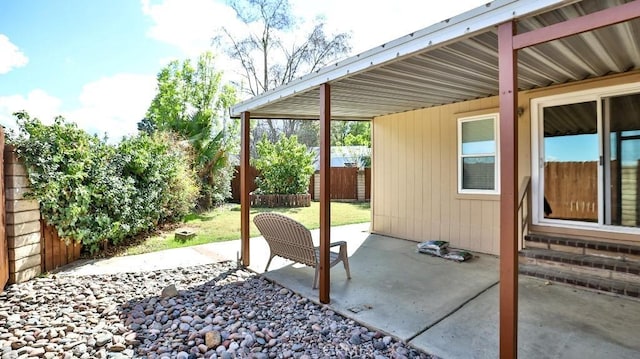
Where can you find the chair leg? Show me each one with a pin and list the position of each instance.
(271, 255)
(345, 260)
(315, 278)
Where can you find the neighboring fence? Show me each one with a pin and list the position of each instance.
(235, 183)
(55, 251)
(347, 183)
(32, 249)
(571, 188)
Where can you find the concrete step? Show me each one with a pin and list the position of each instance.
(603, 267)
(591, 282)
(618, 251)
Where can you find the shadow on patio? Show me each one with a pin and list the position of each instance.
(451, 309)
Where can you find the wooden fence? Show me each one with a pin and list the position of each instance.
(571, 188)
(28, 245)
(55, 252)
(4, 251)
(344, 183)
(235, 183)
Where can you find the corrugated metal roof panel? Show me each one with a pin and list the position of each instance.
(461, 68)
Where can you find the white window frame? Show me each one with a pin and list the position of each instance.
(496, 154)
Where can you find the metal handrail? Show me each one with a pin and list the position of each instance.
(524, 193)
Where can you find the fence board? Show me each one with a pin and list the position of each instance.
(56, 251)
(367, 183)
(235, 183)
(344, 183)
(4, 252)
(571, 188)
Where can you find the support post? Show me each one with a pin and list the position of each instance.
(245, 202)
(325, 190)
(508, 92)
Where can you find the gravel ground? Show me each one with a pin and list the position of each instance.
(210, 311)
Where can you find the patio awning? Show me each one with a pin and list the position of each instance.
(456, 60)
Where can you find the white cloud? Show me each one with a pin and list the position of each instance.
(10, 55)
(114, 105)
(111, 105)
(37, 103)
(188, 25)
(373, 25)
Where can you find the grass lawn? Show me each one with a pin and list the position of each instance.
(223, 224)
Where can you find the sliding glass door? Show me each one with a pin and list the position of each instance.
(589, 160)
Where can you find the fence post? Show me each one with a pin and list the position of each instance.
(361, 186)
(316, 186)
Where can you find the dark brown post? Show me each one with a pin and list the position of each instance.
(245, 203)
(508, 83)
(325, 190)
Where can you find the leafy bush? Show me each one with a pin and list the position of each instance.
(191, 103)
(92, 191)
(284, 166)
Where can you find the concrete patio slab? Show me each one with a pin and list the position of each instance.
(394, 288)
(555, 321)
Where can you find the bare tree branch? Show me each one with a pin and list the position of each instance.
(269, 61)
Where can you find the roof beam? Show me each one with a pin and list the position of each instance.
(593, 21)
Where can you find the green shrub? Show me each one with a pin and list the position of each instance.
(92, 191)
(285, 166)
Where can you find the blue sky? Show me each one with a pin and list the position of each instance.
(94, 62)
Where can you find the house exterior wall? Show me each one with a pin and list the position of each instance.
(415, 180)
(414, 174)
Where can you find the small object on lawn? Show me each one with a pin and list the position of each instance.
(184, 235)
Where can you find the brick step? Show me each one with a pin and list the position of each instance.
(612, 286)
(625, 252)
(606, 268)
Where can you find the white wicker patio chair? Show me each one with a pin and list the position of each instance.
(289, 239)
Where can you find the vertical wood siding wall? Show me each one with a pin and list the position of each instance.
(415, 180)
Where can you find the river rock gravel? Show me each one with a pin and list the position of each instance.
(209, 311)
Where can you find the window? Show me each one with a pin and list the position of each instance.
(477, 155)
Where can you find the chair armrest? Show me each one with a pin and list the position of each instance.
(343, 247)
(338, 243)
